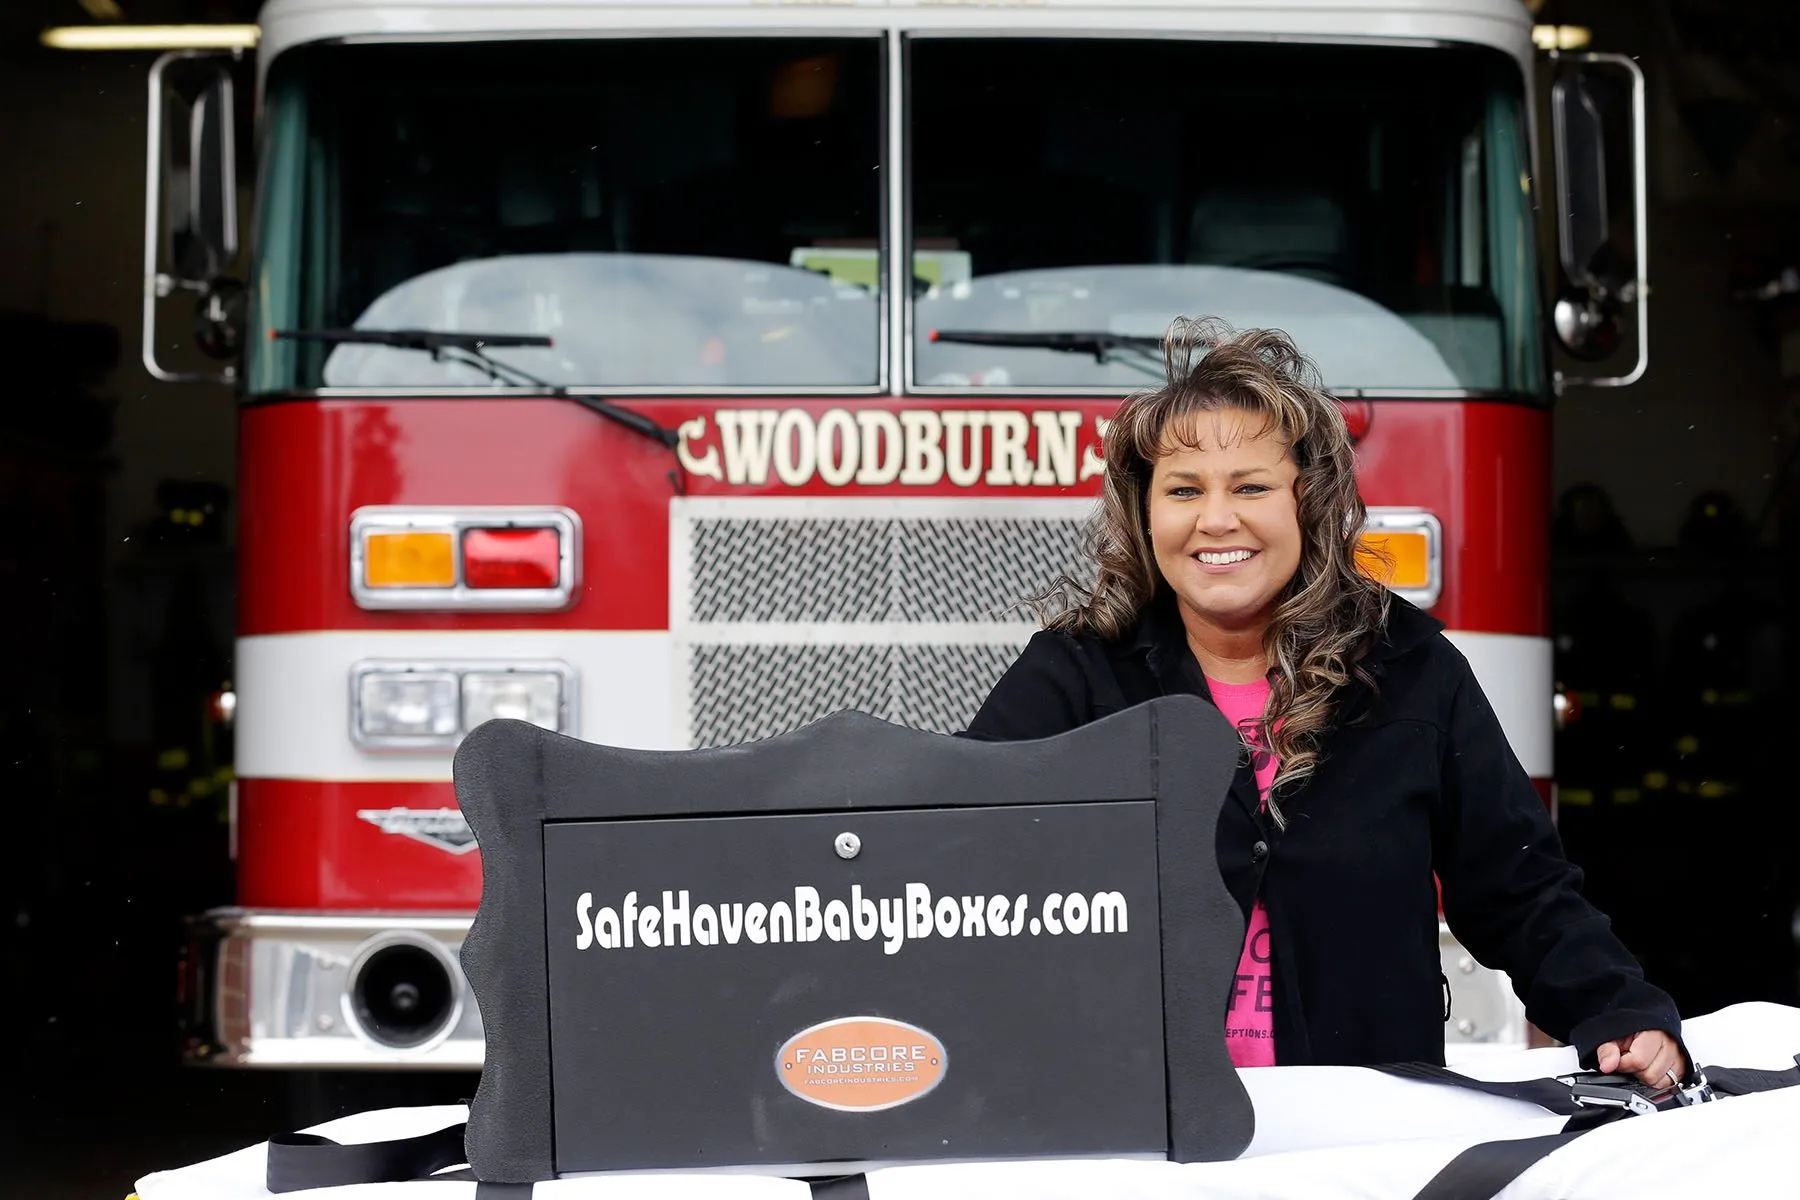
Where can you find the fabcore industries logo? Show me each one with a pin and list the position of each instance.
(861, 1064)
(894, 919)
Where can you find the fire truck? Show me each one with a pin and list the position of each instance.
(671, 373)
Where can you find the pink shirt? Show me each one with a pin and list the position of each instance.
(1250, 1021)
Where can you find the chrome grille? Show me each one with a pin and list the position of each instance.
(742, 693)
(756, 569)
(745, 692)
(975, 569)
(786, 610)
(941, 687)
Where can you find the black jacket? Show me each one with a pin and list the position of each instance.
(1416, 778)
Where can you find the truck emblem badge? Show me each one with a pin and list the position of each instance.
(861, 1064)
(445, 828)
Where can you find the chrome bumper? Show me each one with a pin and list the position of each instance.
(283, 989)
(326, 991)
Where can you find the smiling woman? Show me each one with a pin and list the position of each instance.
(1236, 482)
(1227, 564)
(1224, 525)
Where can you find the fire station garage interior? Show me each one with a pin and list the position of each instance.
(1672, 548)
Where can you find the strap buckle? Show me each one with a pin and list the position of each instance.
(1622, 1091)
(1696, 1091)
(1612, 1091)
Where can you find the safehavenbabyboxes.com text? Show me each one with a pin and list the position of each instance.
(894, 920)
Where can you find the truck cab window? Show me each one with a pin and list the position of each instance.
(658, 208)
(1368, 199)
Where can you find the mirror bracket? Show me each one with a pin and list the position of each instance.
(219, 319)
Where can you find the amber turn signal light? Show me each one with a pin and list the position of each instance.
(410, 558)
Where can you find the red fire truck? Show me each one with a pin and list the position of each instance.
(673, 373)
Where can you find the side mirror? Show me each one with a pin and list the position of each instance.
(1601, 280)
(1583, 220)
(204, 220)
(191, 226)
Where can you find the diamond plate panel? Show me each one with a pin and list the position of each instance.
(977, 569)
(742, 693)
(773, 569)
(778, 577)
(940, 687)
(873, 569)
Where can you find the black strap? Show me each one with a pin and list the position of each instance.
(1482, 1170)
(1741, 1081)
(1557, 1097)
(1545, 1093)
(298, 1161)
(1479, 1172)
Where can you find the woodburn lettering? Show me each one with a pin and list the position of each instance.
(875, 447)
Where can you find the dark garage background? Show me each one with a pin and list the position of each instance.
(1677, 563)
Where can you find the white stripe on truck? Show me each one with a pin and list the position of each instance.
(1517, 676)
(293, 713)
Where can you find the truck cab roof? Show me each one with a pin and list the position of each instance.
(1503, 24)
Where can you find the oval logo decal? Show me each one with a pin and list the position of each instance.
(861, 1064)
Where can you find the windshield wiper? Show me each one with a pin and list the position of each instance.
(471, 349)
(1105, 347)
(433, 340)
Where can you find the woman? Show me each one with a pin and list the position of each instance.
(1226, 555)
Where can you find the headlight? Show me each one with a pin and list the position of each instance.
(431, 706)
(407, 705)
(534, 696)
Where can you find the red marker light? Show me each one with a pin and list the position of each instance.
(933, 335)
(1358, 416)
(512, 558)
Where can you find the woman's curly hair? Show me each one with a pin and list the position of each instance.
(1333, 610)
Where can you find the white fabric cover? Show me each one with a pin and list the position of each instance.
(1323, 1133)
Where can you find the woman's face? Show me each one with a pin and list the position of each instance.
(1224, 519)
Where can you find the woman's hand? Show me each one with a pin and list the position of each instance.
(1651, 1055)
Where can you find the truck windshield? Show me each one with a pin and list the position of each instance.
(1371, 200)
(656, 208)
